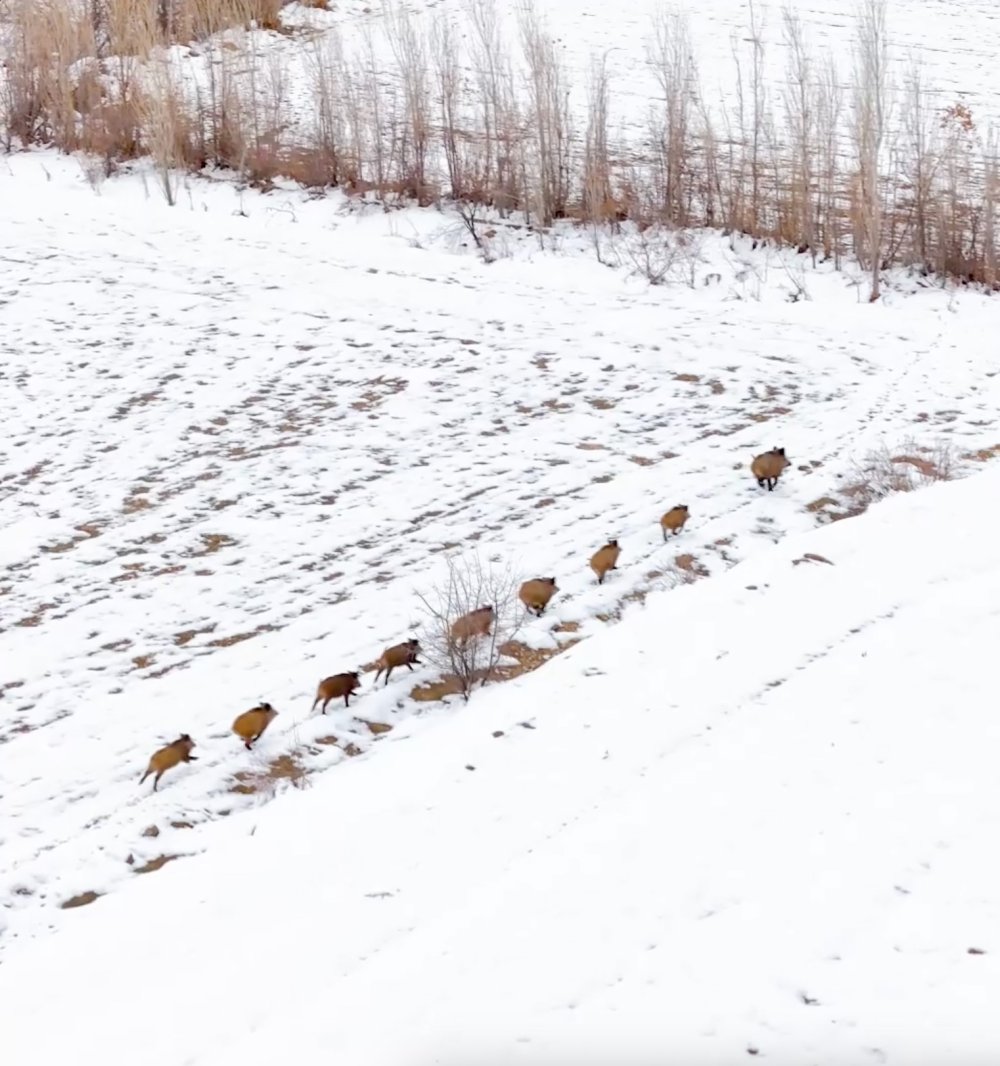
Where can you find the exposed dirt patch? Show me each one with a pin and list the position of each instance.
(984, 454)
(88, 531)
(376, 392)
(431, 691)
(140, 400)
(824, 503)
(689, 378)
(591, 446)
(376, 728)
(187, 635)
(643, 460)
(527, 660)
(601, 403)
(690, 567)
(238, 638)
(37, 617)
(155, 864)
(210, 544)
(812, 557)
(81, 900)
(283, 768)
(137, 500)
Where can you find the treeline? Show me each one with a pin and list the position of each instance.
(838, 159)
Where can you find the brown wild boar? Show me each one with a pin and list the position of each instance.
(474, 624)
(674, 519)
(605, 559)
(162, 760)
(250, 725)
(398, 655)
(337, 685)
(536, 593)
(768, 467)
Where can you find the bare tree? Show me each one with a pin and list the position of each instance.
(671, 57)
(829, 109)
(548, 92)
(800, 109)
(598, 200)
(471, 584)
(409, 47)
(871, 107)
(161, 110)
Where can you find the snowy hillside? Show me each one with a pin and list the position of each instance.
(755, 818)
(238, 444)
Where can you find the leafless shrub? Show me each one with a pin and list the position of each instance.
(548, 93)
(798, 224)
(885, 470)
(870, 128)
(410, 50)
(599, 206)
(325, 64)
(162, 112)
(746, 191)
(671, 57)
(470, 584)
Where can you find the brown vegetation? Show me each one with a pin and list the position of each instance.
(418, 108)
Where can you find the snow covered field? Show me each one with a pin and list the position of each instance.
(754, 819)
(241, 435)
(749, 811)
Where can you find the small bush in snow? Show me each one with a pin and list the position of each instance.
(462, 637)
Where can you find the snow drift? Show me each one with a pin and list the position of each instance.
(758, 816)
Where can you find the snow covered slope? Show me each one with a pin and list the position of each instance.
(240, 433)
(759, 815)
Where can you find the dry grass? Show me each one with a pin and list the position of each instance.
(885, 470)
(891, 173)
(526, 660)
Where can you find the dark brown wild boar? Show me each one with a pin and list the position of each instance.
(168, 757)
(605, 559)
(398, 655)
(767, 467)
(474, 624)
(250, 725)
(674, 519)
(330, 688)
(536, 593)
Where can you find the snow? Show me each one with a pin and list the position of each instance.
(242, 434)
(756, 814)
(266, 426)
